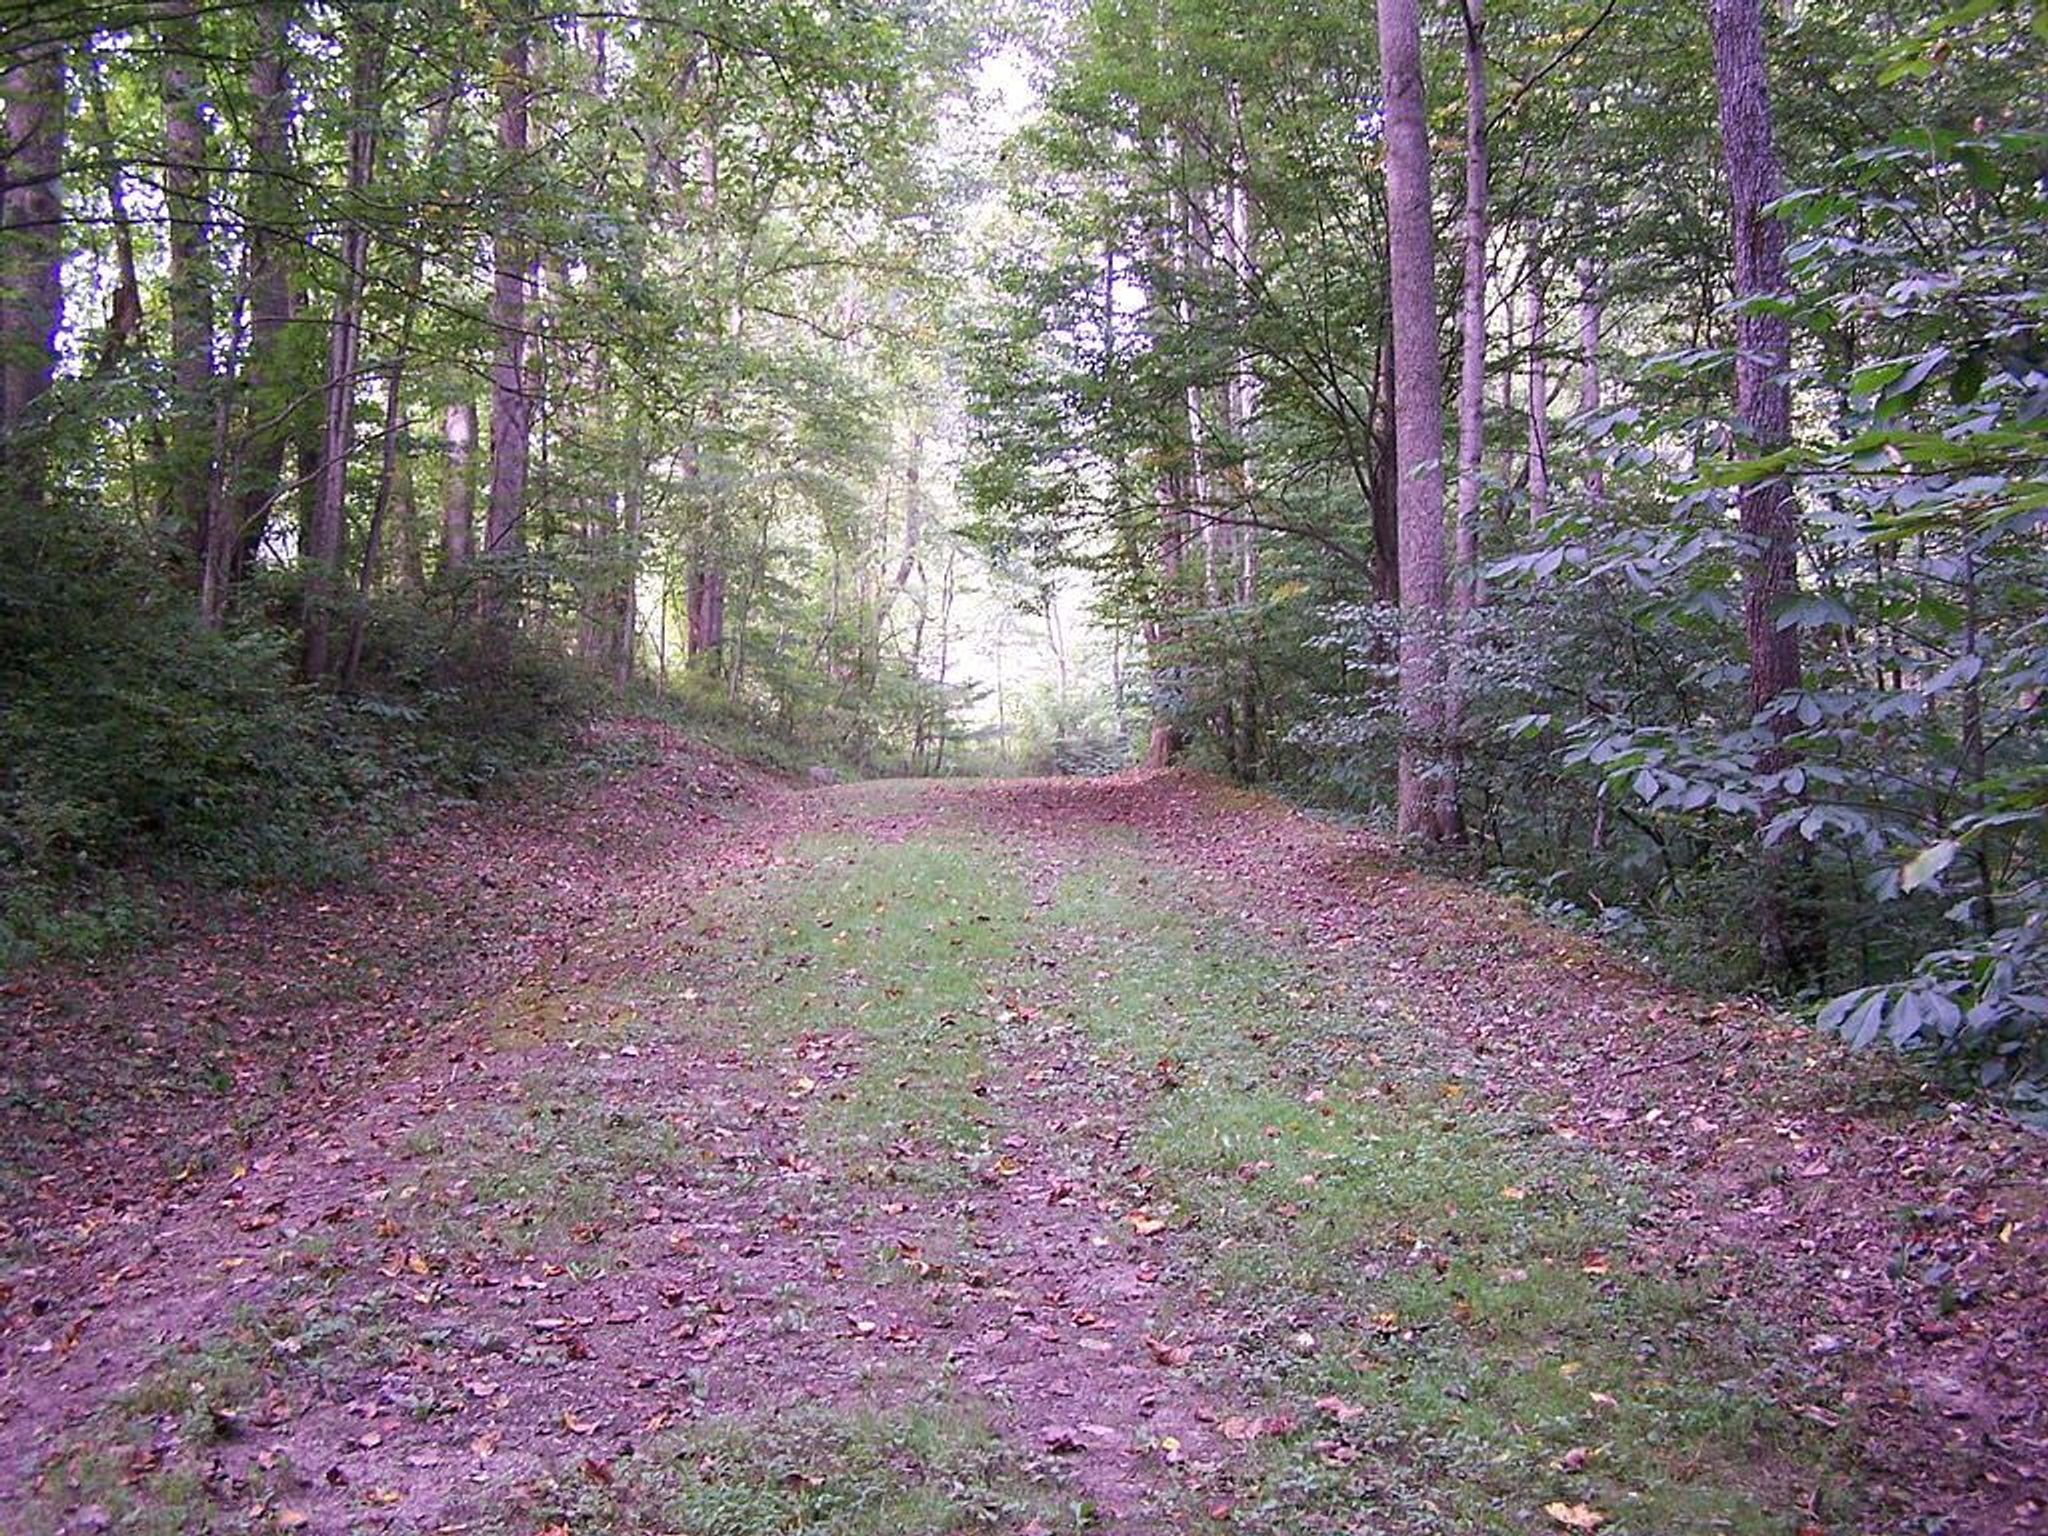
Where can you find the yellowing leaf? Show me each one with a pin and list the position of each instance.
(1576, 1517)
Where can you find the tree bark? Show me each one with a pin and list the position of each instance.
(1427, 791)
(1539, 392)
(1589, 367)
(1384, 490)
(1465, 593)
(625, 590)
(327, 529)
(189, 468)
(31, 255)
(458, 487)
(124, 316)
(268, 392)
(511, 403)
(1763, 408)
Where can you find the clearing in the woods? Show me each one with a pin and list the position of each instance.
(1133, 1155)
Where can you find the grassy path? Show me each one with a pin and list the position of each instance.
(949, 1163)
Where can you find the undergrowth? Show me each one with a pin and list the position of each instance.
(140, 751)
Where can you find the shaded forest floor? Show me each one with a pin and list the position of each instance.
(1133, 1155)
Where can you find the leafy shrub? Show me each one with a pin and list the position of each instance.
(137, 746)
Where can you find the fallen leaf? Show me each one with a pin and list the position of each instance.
(1169, 1354)
(1576, 1517)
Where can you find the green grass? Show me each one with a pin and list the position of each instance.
(161, 1457)
(1437, 1308)
(1455, 1278)
(552, 1175)
(905, 949)
(932, 1470)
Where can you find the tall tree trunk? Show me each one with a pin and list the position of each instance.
(269, 392)
(1240, 407)
(1539, 392)
(705, 588)
(625, 587)
(405, 528)
(1427, 792)
(458, 487)
(1763, 407)
(1190, 258)
(189, 468)
(1466, 593)
(328, 529)
(1472, 317)
(1385, 480)
(124, 317)
(1589, 365)
(1163, 629)
(373, 536)
(511, 404)
(31, 256)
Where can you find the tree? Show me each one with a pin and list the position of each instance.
(190, 467)
(270, 388)
(1763, 409)
(1428, 804)
(512, 266)
(1472, 314)
(326, 535)
(31, 251)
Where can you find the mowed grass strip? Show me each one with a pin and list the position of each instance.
(931, 1469)
(1440, 1314)
(882, 971)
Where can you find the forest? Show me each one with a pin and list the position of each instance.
(833, 593)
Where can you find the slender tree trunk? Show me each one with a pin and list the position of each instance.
(1539, 392)
(1189, 250)
(1163, 628)
(458, 487)
(124, 317)
(625, 590)
(706, 586)
(1385, 481)
(189, 468)
(267, 389)
(405, 528)
(1589, 366)
(1465, 593)
(1507, 395)
(1763, 407)
(31, 257)
(380, 517)
(1240, 407)
(1427, 793)
(327, 532)
(511, 404)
